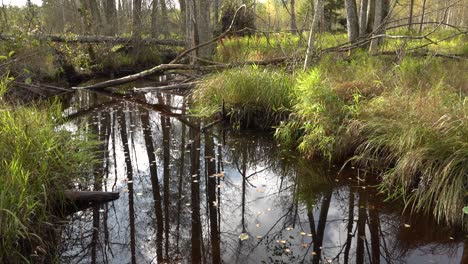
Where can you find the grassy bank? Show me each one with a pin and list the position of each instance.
(404, 119)
(253, 96)
(37, 163)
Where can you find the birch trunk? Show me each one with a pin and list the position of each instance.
(318, 14)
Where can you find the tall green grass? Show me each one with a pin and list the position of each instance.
(37, 162)
(405, 119)
(253, 96)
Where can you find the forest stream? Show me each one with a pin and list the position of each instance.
(194, 195)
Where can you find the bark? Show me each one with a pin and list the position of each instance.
(363, 18)
(95, 16)
(216, 10)
(86, 197)
(370, 16)
(183, 86)
(422, 16)
(377, 28)
(318, 14)
(183, 13)
(352, 20)
(203, 28)
(293, 17)
(410, 18)
(154, 19)
(111, 17)
(136, 19)
(164, 18)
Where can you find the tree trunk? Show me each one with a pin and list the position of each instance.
(216, 11)
(352, 20)
(203, 28)
(370, 16)
(164, 18)
(318, 14)
(377, 24)
(110, 15)
(422, 16)
(136, 20)
(293, 17)
(154, 19)
(363, 18)
(410, 18)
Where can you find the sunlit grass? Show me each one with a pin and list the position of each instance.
(253, 96)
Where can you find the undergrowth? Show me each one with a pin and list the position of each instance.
(37, 161)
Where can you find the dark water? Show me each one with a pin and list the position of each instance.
(188, 196)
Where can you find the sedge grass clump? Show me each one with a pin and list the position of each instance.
(252, 96)
(36, 163)
(421, 148)
(317, 113)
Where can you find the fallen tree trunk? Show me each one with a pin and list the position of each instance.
(167, 67)
(99, 39)
(130, 78)
(166, 87)
(87, 197)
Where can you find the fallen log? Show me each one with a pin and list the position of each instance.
(130, 78)
(99, 39)
(167, 67)
(87, 197)
(81, 200)
(166, 87)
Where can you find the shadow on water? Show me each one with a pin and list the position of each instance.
(193, 197)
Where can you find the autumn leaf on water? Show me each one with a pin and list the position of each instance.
(243, 236)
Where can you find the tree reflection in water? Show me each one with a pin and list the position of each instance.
(187, 196)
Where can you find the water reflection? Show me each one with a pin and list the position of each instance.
(187, 196)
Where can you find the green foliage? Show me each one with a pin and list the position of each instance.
(406, 120)
(317, 114)
(253, 96)
(37, 162)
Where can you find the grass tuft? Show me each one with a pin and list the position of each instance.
(37, 161)
(253, 96)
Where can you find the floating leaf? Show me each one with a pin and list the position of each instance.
(11, 53)
(3, 57)
(243, 236)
